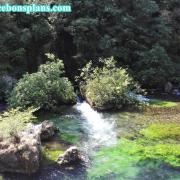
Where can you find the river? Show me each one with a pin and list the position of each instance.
(95, 131)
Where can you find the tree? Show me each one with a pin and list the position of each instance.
(46, 88)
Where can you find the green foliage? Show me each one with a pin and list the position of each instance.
(15, 120)
(45, 89)
(150, 61)
(108, 85)
(168, 153)
(116, 160)
(163, 104)
(162, 131)
(125, 158)
(69, 138)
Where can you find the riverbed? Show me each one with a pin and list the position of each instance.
(94, 132)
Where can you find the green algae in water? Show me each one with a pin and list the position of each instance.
(69, 126)
(50, 156)
(69, 138)
(127, 156)
(162, 131)
(161, 103)
(119, 159)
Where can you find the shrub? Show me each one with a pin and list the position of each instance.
(45, 88)
(14, 120)
(108, 85)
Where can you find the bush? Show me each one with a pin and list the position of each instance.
(14, 120)
(45, 89)
(107, 86)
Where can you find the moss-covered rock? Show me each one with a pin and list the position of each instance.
(51, 155)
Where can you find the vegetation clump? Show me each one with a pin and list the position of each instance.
(51, 155)
(107, 86)
(162, 131)
(15, 120)
(162, 104)
(45, 89)
(69, 138)
(128, 155)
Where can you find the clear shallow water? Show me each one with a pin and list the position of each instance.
(96, 131)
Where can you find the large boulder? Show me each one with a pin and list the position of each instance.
(22, 155)
(69, 157)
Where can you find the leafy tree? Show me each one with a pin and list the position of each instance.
(45, 89)
(107, 86)
(154, 67)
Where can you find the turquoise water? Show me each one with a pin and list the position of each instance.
(93, 133)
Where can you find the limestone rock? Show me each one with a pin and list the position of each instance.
(70, 156)
(23, 156)
(47, 130)
(168, 87)
(23, 153)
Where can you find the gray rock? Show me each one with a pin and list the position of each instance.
(23, 153)
(47, 130)
(70, 156)
(168, 87)
(22, 156)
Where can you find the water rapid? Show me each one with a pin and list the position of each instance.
(101, 131)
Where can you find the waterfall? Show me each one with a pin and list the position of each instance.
(101, 131)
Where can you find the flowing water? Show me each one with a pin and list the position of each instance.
(101, 131)
(94, 131)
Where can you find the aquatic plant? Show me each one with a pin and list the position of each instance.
(69, 138)
(127, 156)
(118, 159)
(51, 155)
(162, 131)
(161, 103)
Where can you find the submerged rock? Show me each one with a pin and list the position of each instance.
(70, 156)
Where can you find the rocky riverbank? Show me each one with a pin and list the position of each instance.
(22, 154)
